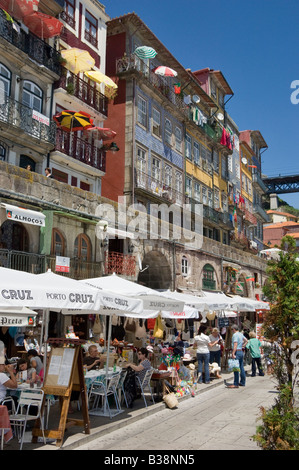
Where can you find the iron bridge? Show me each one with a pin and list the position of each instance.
(282, 184)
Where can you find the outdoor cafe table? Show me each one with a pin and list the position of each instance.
(93, 375)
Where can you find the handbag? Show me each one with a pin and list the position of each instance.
(97, 327)
(130, 325)
(233, 365)
(170, 399)
(158, 330)
(140, 330)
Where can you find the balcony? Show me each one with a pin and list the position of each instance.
(260, 211)
(146, 182)
(79, 88)
(257, 181)
(250, 217)
(37, 264)
(218, 217)
(38, 50)
(80, 150)
(21, 118)
(119, 263)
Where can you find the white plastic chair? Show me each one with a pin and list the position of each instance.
(146, 383)
(10, 404)
(19, 420)
(120, 387)
(103, 390)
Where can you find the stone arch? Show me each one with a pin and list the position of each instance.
(14, 236)
(158, 274)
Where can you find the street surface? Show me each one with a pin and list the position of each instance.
(218, 419)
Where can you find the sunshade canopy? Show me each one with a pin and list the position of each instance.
(101, 133)
(99, 77)
(145, 52)
(153, 302)
(77, 60)
(165, 71)
(44, 26)
(73, 121)
(19, 8)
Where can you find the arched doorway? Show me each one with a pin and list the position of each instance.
(158, 273)
(14, 236)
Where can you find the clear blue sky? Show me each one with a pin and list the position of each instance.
(255, 44)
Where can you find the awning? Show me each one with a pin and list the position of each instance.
(26, 216)
(17, 317)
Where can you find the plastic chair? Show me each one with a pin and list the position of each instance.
(105, 390)
(19, 420)
(144, 383)
(10, 405)
(120, 387)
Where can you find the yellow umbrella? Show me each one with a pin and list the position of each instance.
(110, 86)
(77, 60)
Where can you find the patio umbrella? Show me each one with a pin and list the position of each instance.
(19, 8)
(71, 121)
(100, 133)
(77, 60)
(165, 71)
(44, 26)
(99, 77)
(145, 52)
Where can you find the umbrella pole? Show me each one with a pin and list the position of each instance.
(46, 329)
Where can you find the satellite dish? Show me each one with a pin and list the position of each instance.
(196, 99)
(220, 117)
(244, 161)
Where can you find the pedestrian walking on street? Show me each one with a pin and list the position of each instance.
(202, 343)
(254, 347)
(238, 343)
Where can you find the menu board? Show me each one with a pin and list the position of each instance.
(60, 367)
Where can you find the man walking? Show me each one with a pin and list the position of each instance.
(238, 343)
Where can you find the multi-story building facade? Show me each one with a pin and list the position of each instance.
(177, 146)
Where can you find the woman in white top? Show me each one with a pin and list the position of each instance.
(215, 351)
(202, 343)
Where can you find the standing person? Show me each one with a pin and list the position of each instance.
(48, 172)
(238, 343)
(215, 351)
(254, 346)
(202, 343)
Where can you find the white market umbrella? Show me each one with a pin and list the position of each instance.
(165, 71)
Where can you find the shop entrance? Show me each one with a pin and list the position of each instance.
(158, 273)
(13, 236)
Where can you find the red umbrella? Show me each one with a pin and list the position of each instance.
(19, 8)
(101, 133)
(165, 71)
(44, 26)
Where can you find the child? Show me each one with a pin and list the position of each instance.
(254, 346)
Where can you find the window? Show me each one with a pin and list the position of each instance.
(156, 122)
(168, 176)
(196, 153)
(70, 9)
(141, 168)
(188, 188)
(168, 132)
(184, 266)
(5, 79)
(208, 281)
(142, 112)
(156, 169)
(58, 243)
(178, 139)
(82, 248)
(32, 96)
(210, 197)
(204, 195)
(3, 151)
(91, 29)
(196, 191)
(213, 90)
(188, 147)
(224, 202)
(216, 199)
(178, 186)
(224, 169)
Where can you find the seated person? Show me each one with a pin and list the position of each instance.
(24, 366)
(6, 381)
(144, 364)
(93, 361)
(35, 360)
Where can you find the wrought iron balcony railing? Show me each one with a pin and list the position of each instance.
(82, 90)
(20, 116)
(73, 146)
(158, 188)
(36, 48)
